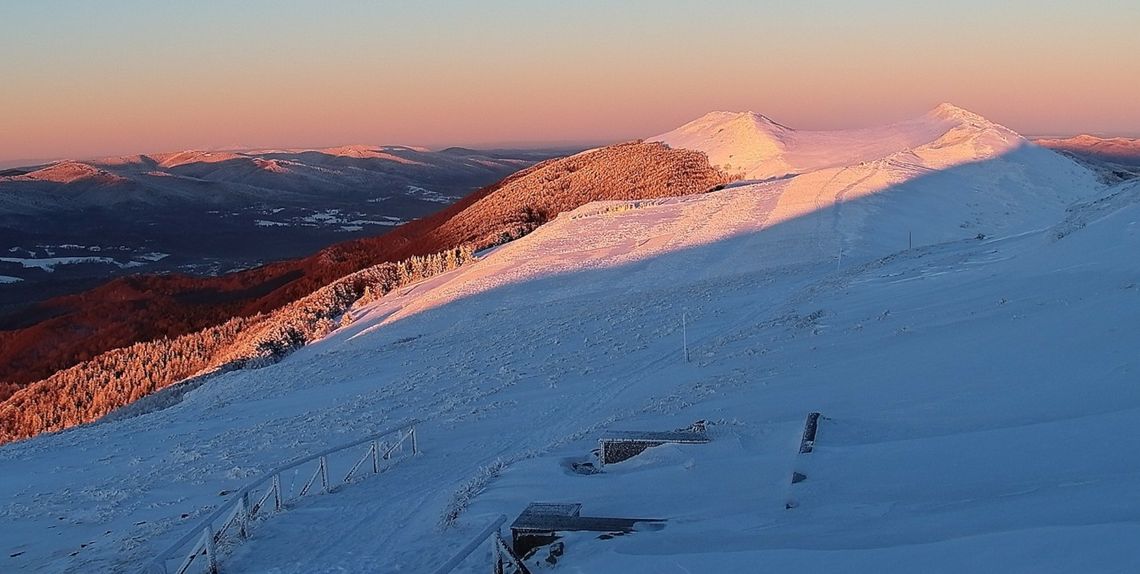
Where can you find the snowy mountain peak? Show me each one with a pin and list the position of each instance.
(948, 111)
(739, 121)
(753, 146)
(734, 141)
(754, 119)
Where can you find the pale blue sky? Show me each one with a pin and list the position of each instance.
(91, 78)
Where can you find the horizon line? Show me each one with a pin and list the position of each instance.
(488, 146)
(525, 145)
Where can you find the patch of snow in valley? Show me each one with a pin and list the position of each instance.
(324, 217)
(428, 195)
(49, 263)
(332, 218)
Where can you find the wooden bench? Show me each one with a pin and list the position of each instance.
(617, 446)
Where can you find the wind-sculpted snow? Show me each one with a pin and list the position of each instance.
(976, 376)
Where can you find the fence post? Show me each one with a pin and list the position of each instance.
(496, 557)
(324, 474)
(277, 492)
(242, 532)
(516, 562)
(685, 334)
(211, 550)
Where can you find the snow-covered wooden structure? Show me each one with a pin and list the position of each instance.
(617, 446)
(541, 522)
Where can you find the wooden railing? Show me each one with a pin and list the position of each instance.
(199, 547)
(502, 556)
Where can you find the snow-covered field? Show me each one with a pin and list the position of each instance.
(963, 313)
(126, 259)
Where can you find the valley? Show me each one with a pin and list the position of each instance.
(70, 226)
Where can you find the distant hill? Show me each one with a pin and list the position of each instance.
(1124, 151)
(1114, 159)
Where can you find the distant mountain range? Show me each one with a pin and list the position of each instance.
(69, 225)
(220, 178)
(1124, 151)
(1114, 159)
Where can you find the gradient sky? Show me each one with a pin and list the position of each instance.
(81, 79)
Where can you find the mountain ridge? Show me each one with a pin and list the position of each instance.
(756, 147)
(1116, 149)
(147, 308)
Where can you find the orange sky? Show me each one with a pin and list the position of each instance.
(85, 79)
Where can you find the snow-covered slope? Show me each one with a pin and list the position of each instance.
(756, 147)
(979, 389)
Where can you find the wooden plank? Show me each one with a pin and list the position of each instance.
(579, 523)
(546, 517)
(807, 443)
(553, 509)
(682, 437)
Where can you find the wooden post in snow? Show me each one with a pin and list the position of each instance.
(685, 336)
(807, 442)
